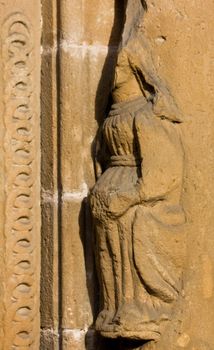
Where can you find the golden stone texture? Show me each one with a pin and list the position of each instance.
(166, 222)
(121, 247)
(20, 180)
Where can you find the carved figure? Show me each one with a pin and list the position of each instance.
(137, 211)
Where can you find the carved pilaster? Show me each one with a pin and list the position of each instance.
(22, 189)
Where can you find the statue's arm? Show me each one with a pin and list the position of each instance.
(101, 154)
(162, 157)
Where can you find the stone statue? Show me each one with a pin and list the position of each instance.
(137, 211)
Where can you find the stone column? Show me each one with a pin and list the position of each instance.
(89, 37)
(20, 174)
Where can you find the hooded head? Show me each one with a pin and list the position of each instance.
(136, 75)
(126, 85)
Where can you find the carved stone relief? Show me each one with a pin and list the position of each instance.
(152, 204)
(139, 220)
(136, 203)
(22, 223)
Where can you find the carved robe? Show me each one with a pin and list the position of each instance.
(139, 222)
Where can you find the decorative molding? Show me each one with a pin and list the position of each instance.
(22, 189)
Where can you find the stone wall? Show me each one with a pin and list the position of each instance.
(77, 71)
(65, 51)
(78, 64)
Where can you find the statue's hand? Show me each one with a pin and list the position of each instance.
(120, 202)
(115, 203)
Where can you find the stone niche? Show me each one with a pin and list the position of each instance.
(107, 158)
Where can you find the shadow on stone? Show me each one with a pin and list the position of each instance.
(103, 101)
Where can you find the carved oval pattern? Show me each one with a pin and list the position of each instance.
(21, 175)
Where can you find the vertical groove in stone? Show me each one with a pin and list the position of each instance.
(59, 181)
(49, 178)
